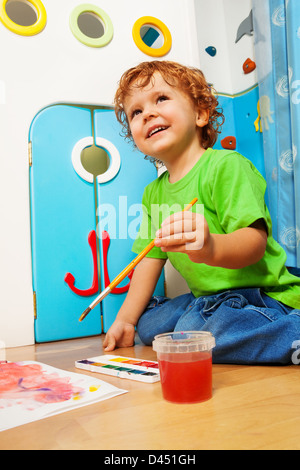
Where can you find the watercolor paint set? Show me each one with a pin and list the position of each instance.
(123, 367)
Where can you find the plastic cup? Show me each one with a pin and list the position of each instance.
(185, 365)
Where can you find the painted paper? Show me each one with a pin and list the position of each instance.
(30, 391)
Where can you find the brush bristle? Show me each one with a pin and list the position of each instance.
(85, 313)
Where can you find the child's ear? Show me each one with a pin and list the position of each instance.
(202, 117)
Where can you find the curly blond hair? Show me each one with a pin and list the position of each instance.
(190, 80)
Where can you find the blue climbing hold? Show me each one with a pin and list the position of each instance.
(211, 51)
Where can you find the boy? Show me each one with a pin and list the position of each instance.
(240, 288)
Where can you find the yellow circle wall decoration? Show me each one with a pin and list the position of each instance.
(156, 23)
(31, 30)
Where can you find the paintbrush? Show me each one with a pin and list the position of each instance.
(125, 272)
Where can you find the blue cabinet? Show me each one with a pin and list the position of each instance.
(70, 210)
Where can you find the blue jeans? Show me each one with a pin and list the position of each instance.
(249, 326)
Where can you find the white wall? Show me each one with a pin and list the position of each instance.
(217, 23)
(48, 68)
(54, 67)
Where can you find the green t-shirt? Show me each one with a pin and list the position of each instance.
(231, 191)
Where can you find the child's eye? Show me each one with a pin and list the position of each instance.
(135, 112)
(162, 98)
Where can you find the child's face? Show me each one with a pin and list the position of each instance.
(163, 120)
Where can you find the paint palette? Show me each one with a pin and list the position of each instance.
(123, 367)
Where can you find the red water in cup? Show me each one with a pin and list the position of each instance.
(186, 379)
(185, 365)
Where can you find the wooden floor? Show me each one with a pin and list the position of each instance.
(252, 408)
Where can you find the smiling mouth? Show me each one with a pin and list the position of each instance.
(156, 131)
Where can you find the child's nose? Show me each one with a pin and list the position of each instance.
(150, 113)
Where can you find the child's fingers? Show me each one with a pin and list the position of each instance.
(177, 224)
(109, 343)
(176, 240)
(177, 229)
(181, 232)
(178, 216)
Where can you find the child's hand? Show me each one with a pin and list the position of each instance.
(186, 232)
(120, 334)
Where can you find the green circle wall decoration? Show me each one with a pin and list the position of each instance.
(96, 12)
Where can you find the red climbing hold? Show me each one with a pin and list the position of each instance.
(249, 66)
(229, 142)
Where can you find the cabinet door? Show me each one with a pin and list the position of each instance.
(62, 216)
(68, 208)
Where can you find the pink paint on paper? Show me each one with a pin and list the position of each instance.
(29, 384)
(30, 391)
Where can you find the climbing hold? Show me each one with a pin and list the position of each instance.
(211, 51)
(249, 66)
(229, 142)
